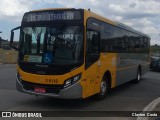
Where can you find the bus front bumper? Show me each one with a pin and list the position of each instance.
(72, 92)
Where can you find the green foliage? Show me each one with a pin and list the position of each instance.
(155, 49)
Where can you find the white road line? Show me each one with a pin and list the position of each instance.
(150, 107)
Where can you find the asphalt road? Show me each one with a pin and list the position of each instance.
(127, 97)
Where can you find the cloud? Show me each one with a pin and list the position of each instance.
(13, 10)
(117, 8)
(142, 15)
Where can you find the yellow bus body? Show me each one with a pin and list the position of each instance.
(92, 76)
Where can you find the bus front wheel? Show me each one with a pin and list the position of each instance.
(104, 88)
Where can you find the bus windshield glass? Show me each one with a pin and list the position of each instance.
(52, 45)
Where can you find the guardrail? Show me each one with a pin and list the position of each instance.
(8, 56)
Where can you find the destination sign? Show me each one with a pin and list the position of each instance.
(52, 16)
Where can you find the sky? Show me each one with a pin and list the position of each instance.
(142, 15)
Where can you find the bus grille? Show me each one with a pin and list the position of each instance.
(43, 71)
(49, 88)
(50, 70)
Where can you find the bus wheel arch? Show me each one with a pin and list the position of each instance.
(108, 74)
(105, 86)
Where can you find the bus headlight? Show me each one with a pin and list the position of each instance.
(67, 83)
(72, 80)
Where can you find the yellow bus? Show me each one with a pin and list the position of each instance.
(75, 53)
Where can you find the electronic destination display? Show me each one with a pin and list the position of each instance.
(52, 16)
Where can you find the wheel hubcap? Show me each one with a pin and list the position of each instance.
(138, 76)
(103, 87)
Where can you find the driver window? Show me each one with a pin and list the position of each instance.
(92, 41)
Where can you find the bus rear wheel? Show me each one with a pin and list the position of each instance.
(138, 76)
(104, 88)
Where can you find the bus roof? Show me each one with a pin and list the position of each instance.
(92, 14)
(115, 23)
(50, 9)
(121, 25)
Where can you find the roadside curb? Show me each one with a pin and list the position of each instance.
(150, 107)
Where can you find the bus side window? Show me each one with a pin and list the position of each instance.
(93, 38)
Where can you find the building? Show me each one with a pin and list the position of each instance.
(4, 44)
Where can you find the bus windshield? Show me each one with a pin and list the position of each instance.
(52, 45)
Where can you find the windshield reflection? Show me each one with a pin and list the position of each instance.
(62, 44)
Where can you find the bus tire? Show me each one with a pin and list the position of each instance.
(138, 76)
(104, 88)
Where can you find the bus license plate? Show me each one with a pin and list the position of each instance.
(39, 90)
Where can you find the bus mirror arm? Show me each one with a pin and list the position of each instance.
(12, 38)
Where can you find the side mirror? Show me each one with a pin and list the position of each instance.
(12, 44)
(12, 37)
